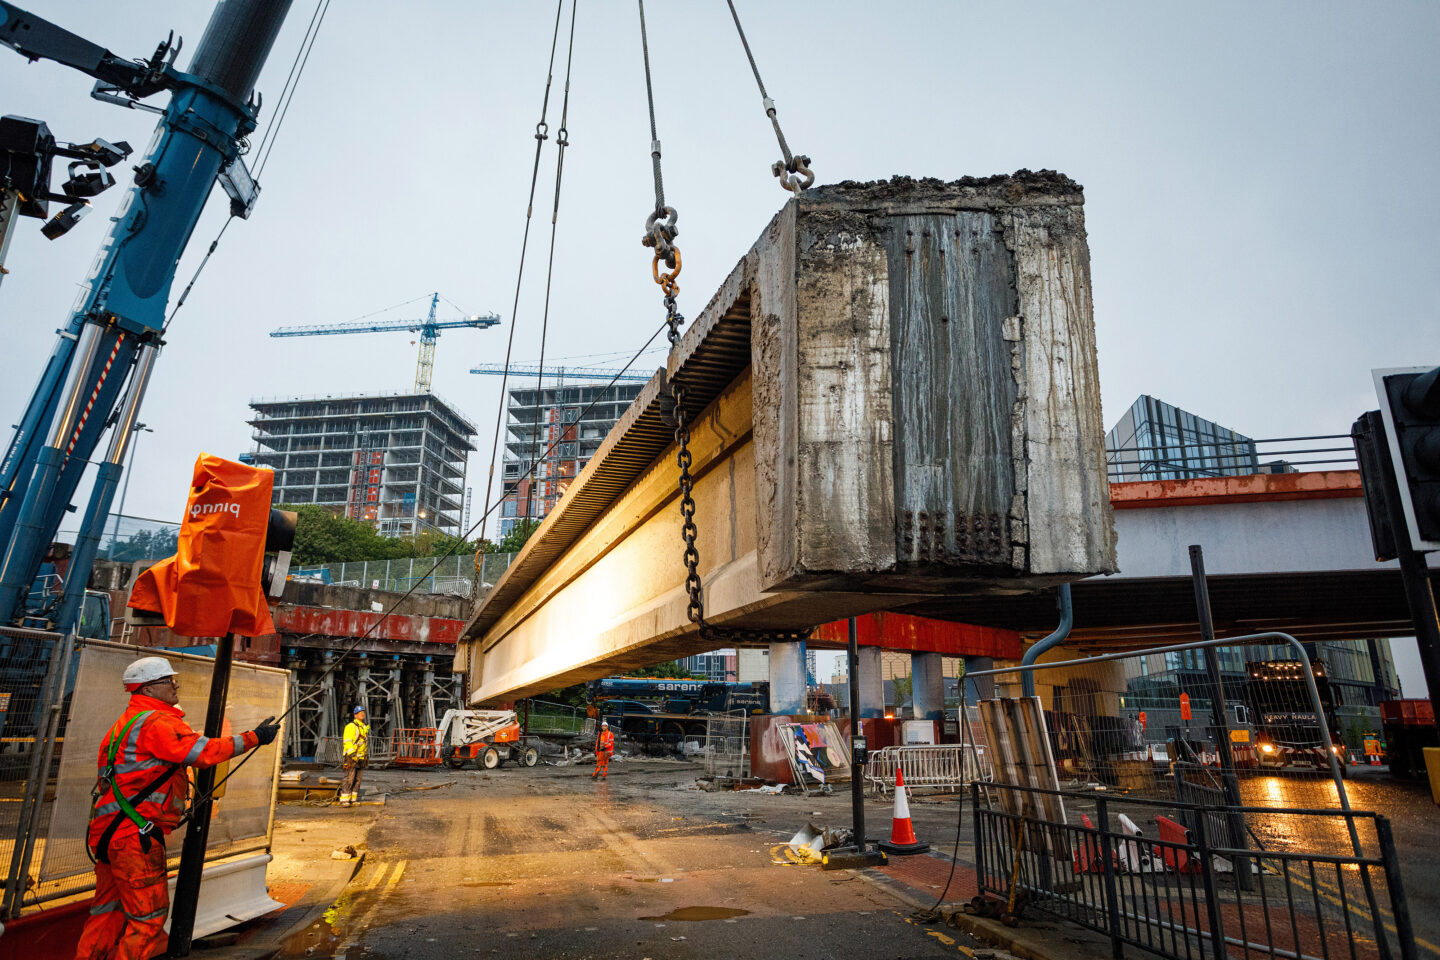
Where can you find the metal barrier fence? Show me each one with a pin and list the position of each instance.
(727, 747)
(1248, 716)
(946, 767)
(67, 691)
(543, 718)
(1130, 872)
(454, 575)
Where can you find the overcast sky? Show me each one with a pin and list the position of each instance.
(1259, 183)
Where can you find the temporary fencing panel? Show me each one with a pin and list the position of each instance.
(727, 747)
(1182, 834)
(1116, 721)
(543, 718)
(88, 708)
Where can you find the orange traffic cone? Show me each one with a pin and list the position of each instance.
(902, 833)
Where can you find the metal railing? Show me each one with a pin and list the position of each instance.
(1240, 457)
(946, 767)
(1184, 894)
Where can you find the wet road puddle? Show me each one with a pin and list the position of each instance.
(699, 913)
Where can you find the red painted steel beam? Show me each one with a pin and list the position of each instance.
(899, 631)
(1253, 488)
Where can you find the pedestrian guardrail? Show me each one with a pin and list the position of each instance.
(946, 767)
(1132, 870)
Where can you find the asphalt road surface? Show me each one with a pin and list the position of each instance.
(546, 863)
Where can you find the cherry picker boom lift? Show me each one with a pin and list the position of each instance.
(100, 365)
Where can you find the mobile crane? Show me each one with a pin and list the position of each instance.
(98, 370)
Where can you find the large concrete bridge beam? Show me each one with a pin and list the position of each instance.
(893, 395)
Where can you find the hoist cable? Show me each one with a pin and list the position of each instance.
(287, 95)
(294, 66)
(542, 132)
(450, 552)
(660, 230)
(307, 46)
(185, 294)
(650, 99)
(562, 140)
(794, 172)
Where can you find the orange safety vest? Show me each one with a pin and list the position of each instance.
(607, 742)
(159, 738)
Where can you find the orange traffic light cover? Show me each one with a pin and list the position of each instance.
(211, 586)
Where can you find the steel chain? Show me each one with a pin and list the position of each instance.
(694, 588)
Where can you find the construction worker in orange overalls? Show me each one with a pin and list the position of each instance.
(604, 750)
(138, 800)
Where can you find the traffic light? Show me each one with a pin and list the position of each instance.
(1410, 406)
(1378, 480)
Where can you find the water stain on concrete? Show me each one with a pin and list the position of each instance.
(699, 913)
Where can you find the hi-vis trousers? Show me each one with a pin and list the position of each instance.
(127, 920)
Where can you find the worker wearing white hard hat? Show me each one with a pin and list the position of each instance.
(139, 798)
(604, 750)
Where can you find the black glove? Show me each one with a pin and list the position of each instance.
(267, 730)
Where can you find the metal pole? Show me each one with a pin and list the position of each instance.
(1399, 906)
(1231, 783)
(1207, 882)
(857, 767)
(1421, 594)
(1112, 894)
(192, 852)
(1413, 571)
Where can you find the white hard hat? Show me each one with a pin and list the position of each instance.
(604, 723)
(147, 670)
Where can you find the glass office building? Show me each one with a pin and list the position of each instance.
(1157, 441)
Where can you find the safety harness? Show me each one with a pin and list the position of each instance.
(106, 783)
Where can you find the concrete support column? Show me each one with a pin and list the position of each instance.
(981, 688)
(872, 684)
(787, 678)
(927, 690)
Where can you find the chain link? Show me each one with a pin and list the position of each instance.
(694, 588)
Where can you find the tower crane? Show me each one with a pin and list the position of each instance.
(563, 373)
(429, 329)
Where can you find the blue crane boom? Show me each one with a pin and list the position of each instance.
(429, 329)
(564, 373)
(100, 365)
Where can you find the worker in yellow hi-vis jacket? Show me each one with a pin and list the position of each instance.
(353, 756)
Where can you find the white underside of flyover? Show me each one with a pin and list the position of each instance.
(1242, 539)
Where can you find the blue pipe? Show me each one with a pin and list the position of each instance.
(1067, 620)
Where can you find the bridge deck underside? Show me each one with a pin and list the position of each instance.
(1131, 613)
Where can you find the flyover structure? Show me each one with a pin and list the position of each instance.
(1288, 552)
(893, 396)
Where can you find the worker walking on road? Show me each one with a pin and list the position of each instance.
(604, 750)
(138, 799)
(356, 751)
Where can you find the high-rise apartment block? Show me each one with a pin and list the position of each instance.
(394, 460)
(558, 428)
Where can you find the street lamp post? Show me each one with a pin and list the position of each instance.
(115, 529)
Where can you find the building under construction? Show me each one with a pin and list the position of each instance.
(560, 426)
(394, 460)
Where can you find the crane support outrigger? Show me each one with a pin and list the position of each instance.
(100, 365)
